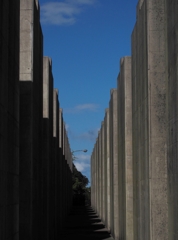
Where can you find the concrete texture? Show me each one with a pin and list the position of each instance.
(150, 116)
(32, 164)
(99, 175)
(114, 165)
(65, 193)
(103, 138)
(124, 88)
(9, 119)
(47, 139)
(172, 115)
(149, 122)
(107, 170)
(56, 167)
(102, 172)
(31, 74)
(61, 171)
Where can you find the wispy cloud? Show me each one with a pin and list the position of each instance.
(81, 166)
(67, 127)
(82, 157)
(83, 107)
(63, 13)
(89, 136)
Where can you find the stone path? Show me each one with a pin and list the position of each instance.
(84, 224)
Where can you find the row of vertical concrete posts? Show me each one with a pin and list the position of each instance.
(134, 164)
(35, 155)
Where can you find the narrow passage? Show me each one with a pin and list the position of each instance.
(84, 224)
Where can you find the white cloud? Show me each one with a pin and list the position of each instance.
(82, 166)
(67, 127)
(83, 157)
(63, 13)
(83, 107)
(91, 107)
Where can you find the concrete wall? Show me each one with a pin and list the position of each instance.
(9, 119)
(107, 170)
(31, 75)
(114, 164)
(47, 140)
(32, 168)
(149, 122)
(102, 172)
(124, 88)
(57, 159)
(172, 115)
(145, 157)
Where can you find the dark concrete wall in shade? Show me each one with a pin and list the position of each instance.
(172, 115)
(31, 87)
(35, 169)
(9, 119)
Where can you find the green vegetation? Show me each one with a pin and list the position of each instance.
(81, 193)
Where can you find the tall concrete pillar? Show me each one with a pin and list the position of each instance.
(31, 87)
(62, 170)
(9, 119)
(125, 150)
(47, 139)
(107, 170)
(92, 176)
(149, 122)
(54, 221)
(114, 164)
(103, 175)
(94, 189)
(172, 116)
(97, 176)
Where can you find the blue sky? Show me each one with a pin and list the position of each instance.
(86, 39)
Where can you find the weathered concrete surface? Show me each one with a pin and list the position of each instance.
(104, 159)
(125, 150)
(61, 171)
(95, 190)
(99, 175)
(67, 169)
(107, 170)
(149, 122)
(56, 165)
(65, 186)
(67, 157)
(47, 140)
(93, 178)
(172, 100)
(9, 119)
(31, 74)
(102, 214)
(114, 164)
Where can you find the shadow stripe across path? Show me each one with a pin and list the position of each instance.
(84, 224)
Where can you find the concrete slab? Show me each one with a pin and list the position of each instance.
(149, 121)
(9, 119)
(125, 149)
(31, 90)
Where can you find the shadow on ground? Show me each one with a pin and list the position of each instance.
(84, 224)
